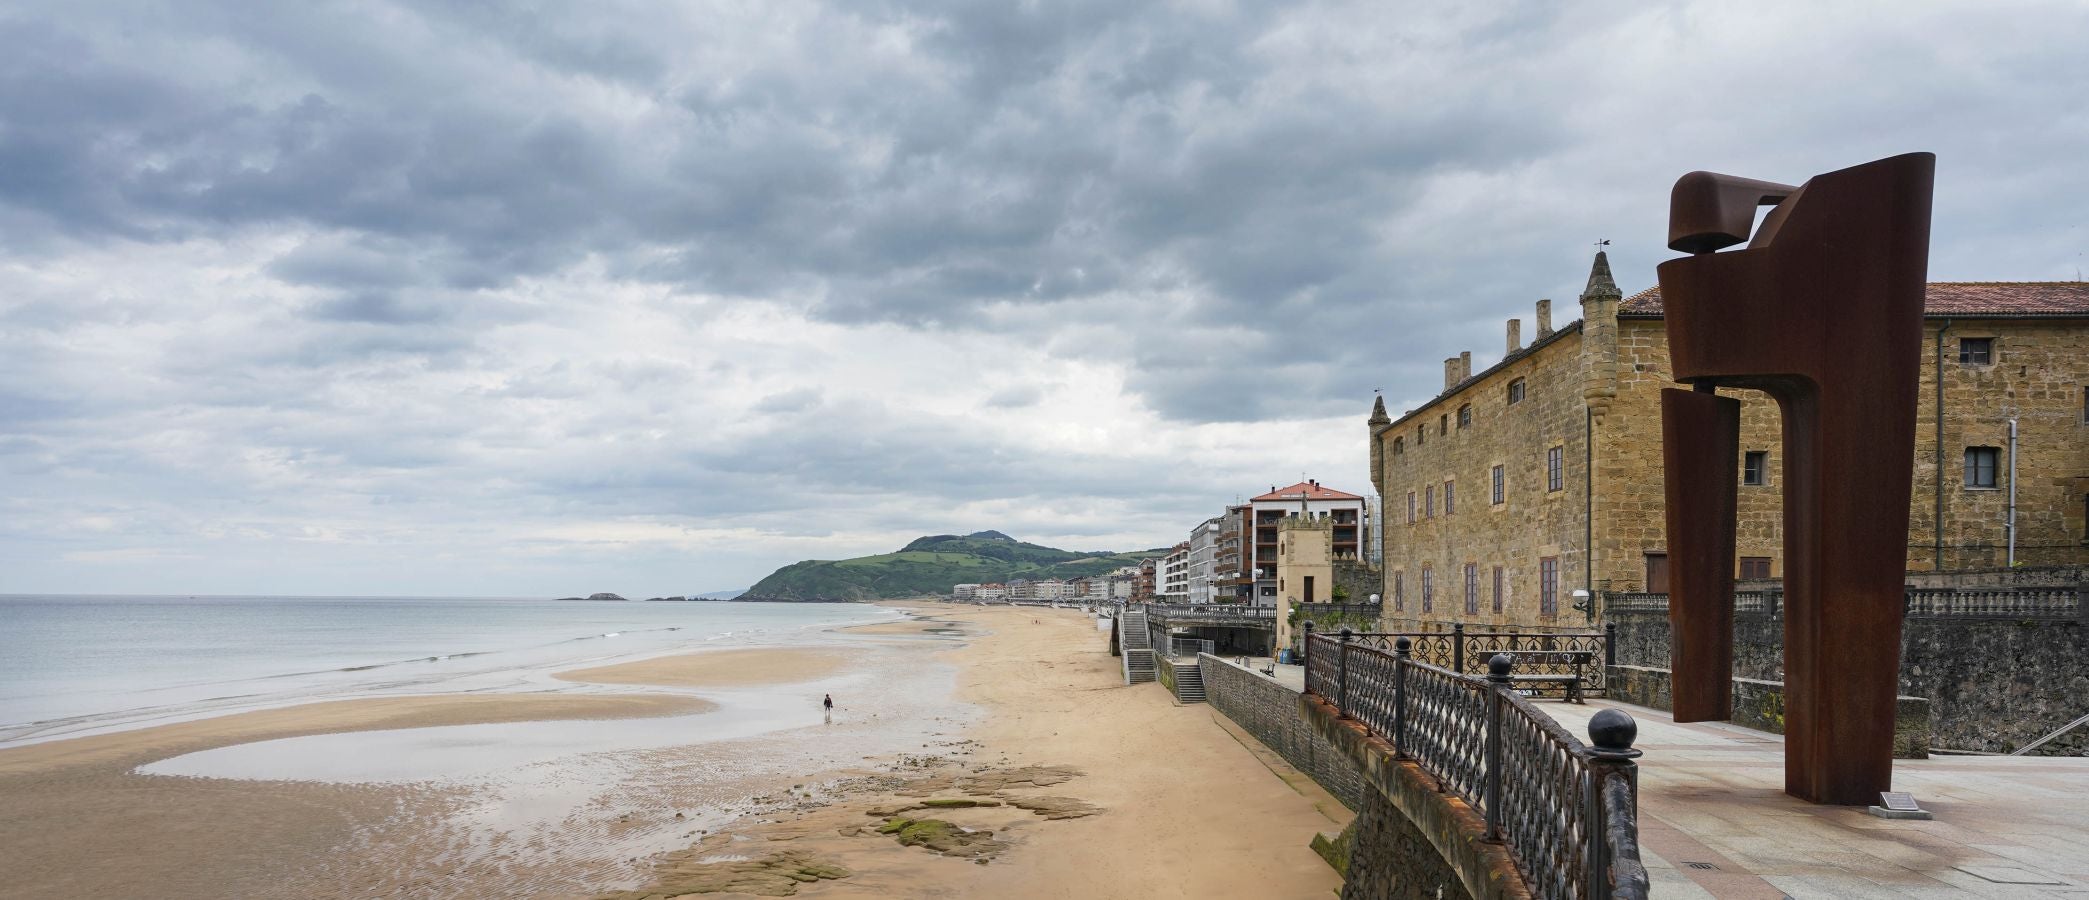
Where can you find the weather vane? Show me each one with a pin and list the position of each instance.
(1602, 243)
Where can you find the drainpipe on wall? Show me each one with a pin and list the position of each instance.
(1588, 508)
(2012, 492)
(1937, 556)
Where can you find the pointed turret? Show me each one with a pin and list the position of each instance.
(1599, 338)
(1378, 417)
(1600, 283)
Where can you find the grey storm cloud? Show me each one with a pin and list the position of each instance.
(418, 246)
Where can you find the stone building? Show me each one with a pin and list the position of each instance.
(1261, 514)
(1496, 490)
(1311, 570)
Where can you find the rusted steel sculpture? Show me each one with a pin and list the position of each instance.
(1822, 311)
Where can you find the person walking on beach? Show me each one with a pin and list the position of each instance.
(827, 700)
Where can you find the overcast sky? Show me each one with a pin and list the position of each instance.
(342, 298)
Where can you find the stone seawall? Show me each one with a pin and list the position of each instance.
(1270, 712)
(1993, 685)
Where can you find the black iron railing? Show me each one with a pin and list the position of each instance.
(2044, 603)
(1585, 655)
(1564, 810)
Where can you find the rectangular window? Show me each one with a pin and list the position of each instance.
(1472, 589)
(1555, 468)
(1410, 507)
(1980, 467)
(1515, 392)
(1548, 586)
(1421, 435)
(1500, 585)
(1755, 568)
(1752, 466)
(1429, 502)
(1450, 497)
(1400, 591)
(1976, 351)
(1498, 479)
(1465, 416)
(1428, 589)
(1443, 424)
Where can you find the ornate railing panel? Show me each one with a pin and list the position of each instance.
(1537, 653)
(1565, 811)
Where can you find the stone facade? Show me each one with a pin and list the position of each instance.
(1391, 859)
(1269, 711)
(1591, 392)
(1311, 571)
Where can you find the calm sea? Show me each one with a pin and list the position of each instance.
(72, 665)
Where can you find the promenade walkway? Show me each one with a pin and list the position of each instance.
(1714, 822)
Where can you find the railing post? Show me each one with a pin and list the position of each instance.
(1458, 648)
(1342, 678)
(1498, 668)
(1403, 647)
(1610, 756)
(1307, 661)
(1610, 645)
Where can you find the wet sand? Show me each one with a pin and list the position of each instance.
(1061, 779)
(720, 668)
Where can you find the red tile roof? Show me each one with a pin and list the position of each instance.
(2058, 299)
(1309, 490)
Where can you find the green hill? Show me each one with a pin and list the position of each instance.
(930, 565)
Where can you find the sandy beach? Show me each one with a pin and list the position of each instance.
(1048, 777)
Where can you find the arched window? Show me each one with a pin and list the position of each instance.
(1465, 416)
(1515, 392)
(1399, 446)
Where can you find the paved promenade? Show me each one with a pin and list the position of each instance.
(1715, 822)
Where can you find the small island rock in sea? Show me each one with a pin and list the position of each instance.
(598, 597)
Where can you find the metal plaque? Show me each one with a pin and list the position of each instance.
(1897, 800)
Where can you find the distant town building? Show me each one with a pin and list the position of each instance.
(1174, 575)
(991, 592)
(1148, 583)
(964, 592)
(1203, 571)
(1492, 507)
(1348, 514)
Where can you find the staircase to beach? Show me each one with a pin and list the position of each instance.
(1189, 681)
(1136, 647)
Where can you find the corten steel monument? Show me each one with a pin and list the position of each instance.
(1822, 311)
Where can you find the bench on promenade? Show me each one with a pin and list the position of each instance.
(1572, 681)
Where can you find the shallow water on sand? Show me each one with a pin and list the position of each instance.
(77, 665)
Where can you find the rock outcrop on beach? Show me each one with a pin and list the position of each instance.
(930, 565)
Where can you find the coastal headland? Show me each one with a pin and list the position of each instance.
(1041, 775)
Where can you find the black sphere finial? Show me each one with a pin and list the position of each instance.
(1612, 732)
(1346, 632)
(1403, 644)
(1498, 666)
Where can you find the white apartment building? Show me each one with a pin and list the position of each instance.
(1204, 543)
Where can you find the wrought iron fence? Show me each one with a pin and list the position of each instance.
(1585, 655)
(1564, 811)
(2061, 602)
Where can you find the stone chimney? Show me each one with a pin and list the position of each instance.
(1450, 373)
(1599, 338)
(1464, 365)
(1544, 319)
(1515, 336)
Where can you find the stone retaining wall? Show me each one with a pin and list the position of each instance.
(1269, 711)
(1993, 685)
(1759, 704)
